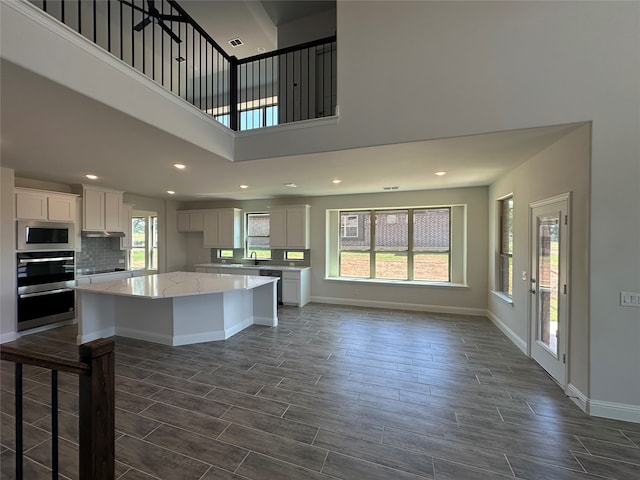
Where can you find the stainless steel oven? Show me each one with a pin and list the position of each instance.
(45, 293)
(37, 235)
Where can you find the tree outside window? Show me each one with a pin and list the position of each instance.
(144, 245)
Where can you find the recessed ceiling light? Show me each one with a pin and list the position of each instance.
(290, 185)
(261, 49)
(171, 192)
(336, 181)
(244, 186)
(179, 166)
(440, 173)
(91, 176)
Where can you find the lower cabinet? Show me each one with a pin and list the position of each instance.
(296, 287)
(296, 284)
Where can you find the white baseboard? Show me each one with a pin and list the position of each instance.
(104, 333)
(265, 321)
(8, 337)
(417, 307)
(579, 398)
(511, 335)
(616, 411)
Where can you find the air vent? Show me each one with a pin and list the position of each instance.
(390, 188)
(235, 42)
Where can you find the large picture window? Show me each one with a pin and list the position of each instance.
(399, 244)
(505, 277)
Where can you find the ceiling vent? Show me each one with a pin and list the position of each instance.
(235, 42)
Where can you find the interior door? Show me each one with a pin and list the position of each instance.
(549, 291)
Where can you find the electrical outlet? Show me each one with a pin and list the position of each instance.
(630, 299)
(524, 276)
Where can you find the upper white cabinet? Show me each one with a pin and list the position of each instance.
(43, 205)
(289, 226)
(102, 209)
(221, 228)
(191, 220)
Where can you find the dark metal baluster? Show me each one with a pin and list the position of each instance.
(121, 34)
(309, 83)
(153, 48)
(95, 24)
(80, 18)
(200, 71)
(109, 27)
(193, 66)
(54, 424)
(18, 419)
(144, 36)
(133, 55)
(62, 10)
(44, 5)
(331, 107)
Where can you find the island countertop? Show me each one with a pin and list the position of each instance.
(176, 284)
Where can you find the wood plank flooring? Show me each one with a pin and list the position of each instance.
(331, 393)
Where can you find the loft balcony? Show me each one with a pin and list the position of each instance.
(162, 41)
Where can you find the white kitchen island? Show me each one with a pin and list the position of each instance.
(177, 308)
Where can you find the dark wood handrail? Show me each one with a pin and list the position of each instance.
(95, 370)
(29, 357)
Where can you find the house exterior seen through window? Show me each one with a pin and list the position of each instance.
(399, 244)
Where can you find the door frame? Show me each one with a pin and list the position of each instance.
(566, 239)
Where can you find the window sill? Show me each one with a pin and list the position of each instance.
(505, 298)
(384, 281)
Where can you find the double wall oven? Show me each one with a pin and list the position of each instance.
(45, 274)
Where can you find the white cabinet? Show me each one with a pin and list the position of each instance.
(127, 213)
(101, 209)
(221, 228)
(191, 220)
(296, 287)
(289, 226)
(43, 205)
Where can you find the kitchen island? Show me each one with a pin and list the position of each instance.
(177, 308)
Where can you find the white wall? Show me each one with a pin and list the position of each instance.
(306, 29)
(7, 257)
(561, 168)
(421, 70)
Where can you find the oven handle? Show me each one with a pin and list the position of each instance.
(48, 292)
(38, 260)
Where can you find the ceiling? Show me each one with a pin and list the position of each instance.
(51, 133)
(254, 22)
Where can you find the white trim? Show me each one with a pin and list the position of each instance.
(229, 332)
(267, 321)
(391, 282)
(511, 335)
(8, 337)
(578, 397)
(285, 127)
(401, 306)
(502, 296)
(616, 411)
(104, 333)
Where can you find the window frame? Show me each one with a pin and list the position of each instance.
(410, 250)
(503, 289)
(247, 251)
(150, 238)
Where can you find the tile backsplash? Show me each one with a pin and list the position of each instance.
(277, 258)
(100, 253)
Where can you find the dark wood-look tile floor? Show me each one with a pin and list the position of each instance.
(331, 393)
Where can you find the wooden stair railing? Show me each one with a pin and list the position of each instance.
(97, 403)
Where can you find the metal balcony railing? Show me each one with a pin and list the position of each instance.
(160, 39)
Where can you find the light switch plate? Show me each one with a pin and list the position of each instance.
(630, 299)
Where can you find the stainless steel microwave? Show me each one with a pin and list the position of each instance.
(37, 235)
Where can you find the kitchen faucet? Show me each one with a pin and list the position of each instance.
(254, 255)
